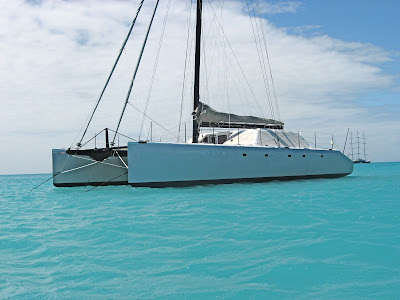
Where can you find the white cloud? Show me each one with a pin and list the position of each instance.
(279, 7)
(56, 56)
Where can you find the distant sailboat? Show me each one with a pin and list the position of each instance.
(356, 156)
(239, 149)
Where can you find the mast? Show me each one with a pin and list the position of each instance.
(364, 143)
(196, 97)
(358, 146)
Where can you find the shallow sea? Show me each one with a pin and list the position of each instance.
(322, 238)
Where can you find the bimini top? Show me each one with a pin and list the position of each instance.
(209, 117)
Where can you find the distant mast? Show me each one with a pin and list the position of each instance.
(196, 97)
(358, 147)
(364, 143)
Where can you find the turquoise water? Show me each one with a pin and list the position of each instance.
(323, 238)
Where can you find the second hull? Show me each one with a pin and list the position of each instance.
(81, 170)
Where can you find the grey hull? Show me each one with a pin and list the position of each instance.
(162, 165)
(80, 170)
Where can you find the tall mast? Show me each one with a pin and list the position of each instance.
(196, 97)
(358, 146)
(364, 143)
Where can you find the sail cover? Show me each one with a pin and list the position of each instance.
(209, 117)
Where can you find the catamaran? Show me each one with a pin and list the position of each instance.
(236, 148)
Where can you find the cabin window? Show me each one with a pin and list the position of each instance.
(244, 154)
(205, 140)
(222, 139)
(212, 140)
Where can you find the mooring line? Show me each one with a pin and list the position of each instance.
(106, 182)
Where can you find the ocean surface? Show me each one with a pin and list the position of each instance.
(322, 238)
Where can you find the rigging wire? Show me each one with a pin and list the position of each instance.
(268, 89)
(124, 135)
(225, 75)
(270, 69)
(136, 69)
(208, 67)
(165, 135)
(109, 77)
(147, 116)
(189, 17)
(212, 55)
(204, 78)
(260, 54)
(236, 85)
(237, 61)
(207, 74)
(155, 66)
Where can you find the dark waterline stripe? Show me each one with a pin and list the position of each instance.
(90, 184)
(229, 181)
(202, 182)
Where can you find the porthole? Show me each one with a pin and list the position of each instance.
(322, 156)
(289, 155)
(266, 155)
(304, 155)
(244, 154)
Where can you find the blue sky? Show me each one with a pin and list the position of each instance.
(367, 21)
(336, 64)
(364, 21)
